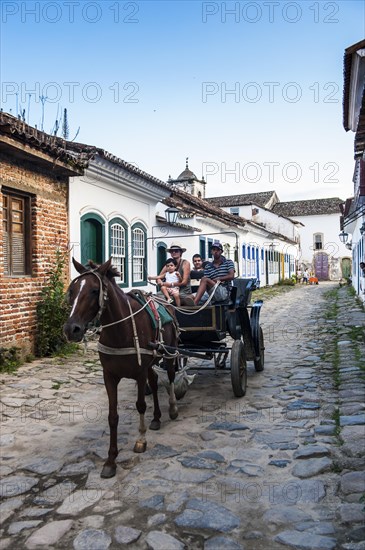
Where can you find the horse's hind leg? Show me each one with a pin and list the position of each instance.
(173, 410)
(152, 379)
(111, 385)
(141, 443)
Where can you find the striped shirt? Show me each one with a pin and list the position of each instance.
(223, 269)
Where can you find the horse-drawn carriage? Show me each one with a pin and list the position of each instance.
(130, 346)
(204, 333)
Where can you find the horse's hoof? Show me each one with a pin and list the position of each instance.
(140, 446)
(155, 425)
(173, 413)
(108, 471)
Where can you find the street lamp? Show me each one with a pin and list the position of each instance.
(343, 236)
(171, 215)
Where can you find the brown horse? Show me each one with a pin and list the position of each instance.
(124, 345)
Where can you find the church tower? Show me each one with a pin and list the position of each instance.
(188, 182)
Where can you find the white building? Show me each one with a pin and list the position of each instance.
(311, 224)
(263, 244)
(321, 250)
(353, 221)
(112, 210)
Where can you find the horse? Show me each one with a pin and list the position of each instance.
(127, 345)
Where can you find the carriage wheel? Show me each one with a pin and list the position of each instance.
(259, 363)
(238, 369)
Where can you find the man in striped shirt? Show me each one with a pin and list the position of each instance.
(219, 270)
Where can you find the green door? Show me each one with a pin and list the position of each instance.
(92, 240)
(346, 268)
(161, 256)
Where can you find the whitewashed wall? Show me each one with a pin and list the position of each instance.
(329, 226)
(111, 191)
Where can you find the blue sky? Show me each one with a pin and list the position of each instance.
(250, 91)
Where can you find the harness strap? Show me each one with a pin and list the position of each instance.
(135, 336)
(122, 351)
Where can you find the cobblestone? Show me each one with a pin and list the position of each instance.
(280, 468)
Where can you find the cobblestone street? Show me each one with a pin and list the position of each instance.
(282, 467)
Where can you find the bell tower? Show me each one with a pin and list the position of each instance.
(188, 182)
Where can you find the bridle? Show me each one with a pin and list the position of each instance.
(103, 298)
(103, 292)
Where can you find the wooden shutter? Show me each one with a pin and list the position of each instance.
(6, 250)
(14, 238)
(17, 236)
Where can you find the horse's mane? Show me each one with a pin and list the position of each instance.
(111, 273)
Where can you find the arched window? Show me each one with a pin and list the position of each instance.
(318, 241)
(118, 246)
(139, 255)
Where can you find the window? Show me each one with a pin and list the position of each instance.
(118, 247)
(235, 211)
(202, 248)
(262, 261)
(253, 256)
(318, 241)
(210, 242)
(16, 233)
(139, 260)
(271, 261)
(244, 260)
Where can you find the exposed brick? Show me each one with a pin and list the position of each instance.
(49, 220)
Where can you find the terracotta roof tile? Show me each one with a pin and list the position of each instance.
(308, 207)
(261, 199)
(53, 146)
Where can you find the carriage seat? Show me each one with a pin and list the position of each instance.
(242, 290)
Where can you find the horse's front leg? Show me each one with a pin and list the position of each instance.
(141, 443)
(111, 385)
(173, 410)
(152, 380)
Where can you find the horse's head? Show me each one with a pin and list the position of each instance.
(86, 298)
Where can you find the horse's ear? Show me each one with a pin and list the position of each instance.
(79, 267)
(104, 268)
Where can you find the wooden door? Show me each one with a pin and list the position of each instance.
(321, 266)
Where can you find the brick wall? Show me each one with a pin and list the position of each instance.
(49, 221)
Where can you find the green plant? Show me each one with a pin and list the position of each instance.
(351, 291)
(9, 359)
(286, 282)
(52, 310)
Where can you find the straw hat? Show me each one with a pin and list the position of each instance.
(176, 246)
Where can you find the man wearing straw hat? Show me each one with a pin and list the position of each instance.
(183, 268)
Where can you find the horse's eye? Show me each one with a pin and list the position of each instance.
(95, 291)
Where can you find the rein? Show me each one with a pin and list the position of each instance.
(103, 297)
(137, 350)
